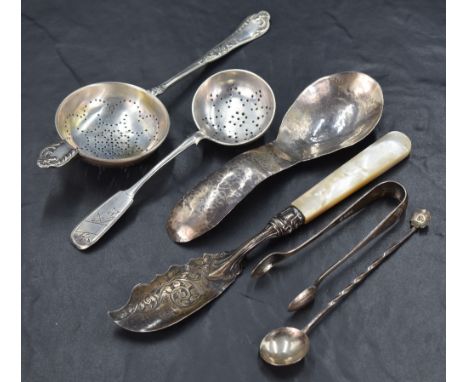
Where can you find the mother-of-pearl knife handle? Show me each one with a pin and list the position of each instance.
(212, 199)
(183, 289)
(360, 170)
(354, 174)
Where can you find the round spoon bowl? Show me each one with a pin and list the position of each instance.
(112, 123)
(233, 107)
(284, 346)
(334, 112)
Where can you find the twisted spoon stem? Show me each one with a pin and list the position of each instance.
(419, 220)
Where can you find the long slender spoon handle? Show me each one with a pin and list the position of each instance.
(98, 222)
(419, 220)
(184, 289)
(251, 28)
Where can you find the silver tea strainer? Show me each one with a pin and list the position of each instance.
(117, 124)
(232, 107)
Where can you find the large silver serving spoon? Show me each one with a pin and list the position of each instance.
(118, 124)
(334, 112)
(231, 108)
(184, 289)
(288, 345)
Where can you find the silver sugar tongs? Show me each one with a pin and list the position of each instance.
(387, 189)
(289, 345)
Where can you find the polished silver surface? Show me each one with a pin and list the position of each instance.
(118, 124)
(184, 289)
(334, 112)
(108, 123)
(252, 27)
(151, 305)
(384, 190)
(232, 107)
(284, 346)
(288, 345)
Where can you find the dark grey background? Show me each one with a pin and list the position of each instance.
(391, 329)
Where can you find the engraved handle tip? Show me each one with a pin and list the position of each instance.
(254, 26)
(98, 222)
(251, 28)
(56, 155)
(262, 21)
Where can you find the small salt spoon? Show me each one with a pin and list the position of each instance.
(288, 345)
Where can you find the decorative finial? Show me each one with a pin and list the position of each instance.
(420, 219)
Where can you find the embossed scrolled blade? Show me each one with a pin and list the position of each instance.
(174, 295)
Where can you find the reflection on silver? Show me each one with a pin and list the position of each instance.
(157, 304)
(287, 345)
(334, 112)
(118, 124)
(231, 108)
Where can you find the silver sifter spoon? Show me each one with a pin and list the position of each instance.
(332, 113)
(118, 124)
(231, 108)
(288, 345)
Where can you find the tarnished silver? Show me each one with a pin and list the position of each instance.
(384, 190)
(184, 289)
(118, 124)
(334, 112)
(288, 345)
(391, 190)
(232, 107)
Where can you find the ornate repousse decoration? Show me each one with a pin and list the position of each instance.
(184, 289)
(251, 28)
(169, 297)
(49, 158)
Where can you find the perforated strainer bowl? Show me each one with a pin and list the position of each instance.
(232, 107)
(111, 123)
(117, 124)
